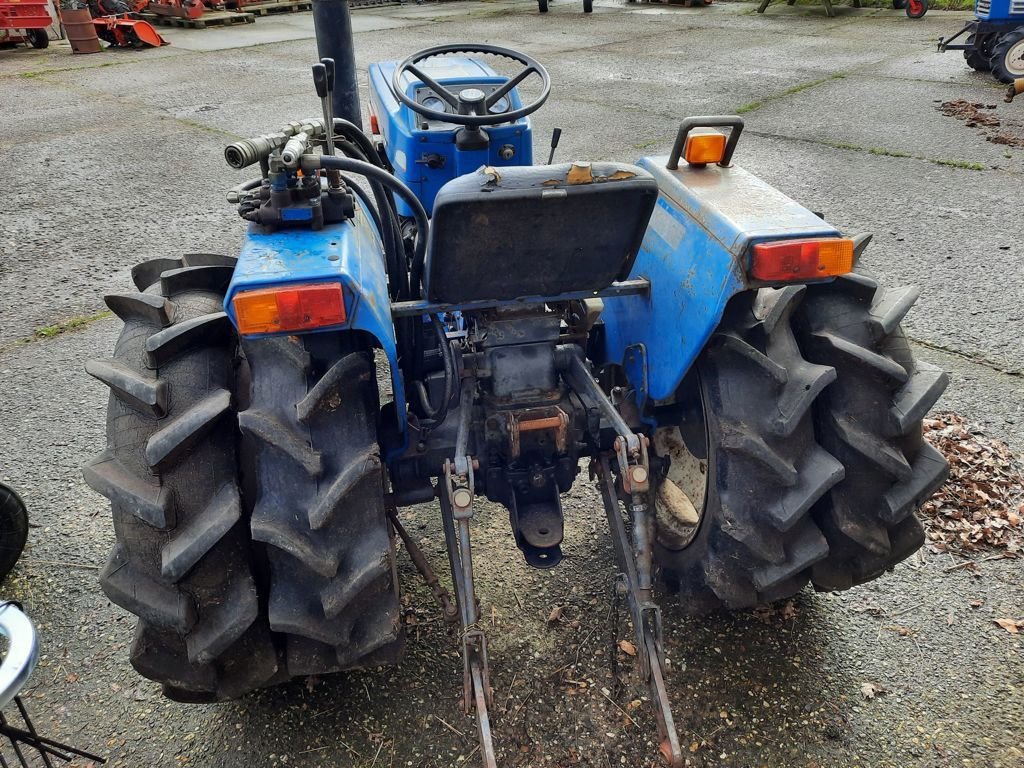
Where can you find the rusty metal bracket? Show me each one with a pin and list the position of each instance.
(448, 609)
(635, 558)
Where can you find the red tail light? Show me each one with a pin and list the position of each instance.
(799, 260)
(289, 308)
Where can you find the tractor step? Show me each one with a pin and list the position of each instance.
(211, 19)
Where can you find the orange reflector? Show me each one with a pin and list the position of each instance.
(289, 308)
(787, 260)
(704, 147)
(374, 127)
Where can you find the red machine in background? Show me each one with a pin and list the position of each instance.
(116, 23)
(28, 16)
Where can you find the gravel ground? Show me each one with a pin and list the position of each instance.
(133, 171)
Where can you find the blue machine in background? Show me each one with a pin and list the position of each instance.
(995, 39)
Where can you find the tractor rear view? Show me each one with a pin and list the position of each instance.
(698, 342)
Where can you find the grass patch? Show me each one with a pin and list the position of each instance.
(883, 152)
(754, 105)
(71, 324)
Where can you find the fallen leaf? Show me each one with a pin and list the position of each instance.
(977, 603)
(1010, 625)
(311, 682)
(950, 620)
(871, 690)
(556, 615)
(627, 647)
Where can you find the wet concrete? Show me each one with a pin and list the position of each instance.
(117, 158)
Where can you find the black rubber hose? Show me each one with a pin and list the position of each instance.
(374, 173)
(355, 134)
(439, 414)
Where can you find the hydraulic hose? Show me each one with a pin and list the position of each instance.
(374, 173)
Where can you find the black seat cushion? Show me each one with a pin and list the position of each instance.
(514, 232)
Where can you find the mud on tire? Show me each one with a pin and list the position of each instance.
(182, 562)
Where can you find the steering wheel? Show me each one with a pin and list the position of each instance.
(472, 105)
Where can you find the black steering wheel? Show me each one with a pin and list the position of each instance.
(472, 105)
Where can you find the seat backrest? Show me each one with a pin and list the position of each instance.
(513, 232)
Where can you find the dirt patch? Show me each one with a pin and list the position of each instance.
(981, 505)
(998, 130)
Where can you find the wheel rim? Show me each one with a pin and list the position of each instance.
(687, 451)
(1013, 61)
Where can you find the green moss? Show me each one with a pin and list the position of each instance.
(71, 324)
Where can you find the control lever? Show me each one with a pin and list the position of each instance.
(556, 135)
(323, 81)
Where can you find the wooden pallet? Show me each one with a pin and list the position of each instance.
(281, 6)
(208, 19)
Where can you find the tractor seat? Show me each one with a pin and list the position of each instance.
(512, 232)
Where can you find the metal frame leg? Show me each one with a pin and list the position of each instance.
(456, 512)
(635, 559)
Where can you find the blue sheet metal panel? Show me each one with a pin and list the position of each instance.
(350, 253)
(408, 143)
(695, 256)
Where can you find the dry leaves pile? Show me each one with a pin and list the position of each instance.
(982, 504)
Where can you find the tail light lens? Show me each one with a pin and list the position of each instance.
(799, 260)
(289, 308)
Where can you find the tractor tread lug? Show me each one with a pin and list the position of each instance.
(148, 273)
(344, 589)
(221, 625)
(743, 441)
(871, 448)
(108, 477)
(884, 366)
(206, 330)
(275, 435)
(207, 278)
(208, 260)
(928, 472)
(146, 395)
(163, 606)
(818, 474)
(325, 395)
(805, 548)
(888, 312)
(193, 541)
(774, 305)
(316, 555)
(143, 307)
(172, 443)
(328, 501)
(915, 398)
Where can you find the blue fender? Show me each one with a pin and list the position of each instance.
(350, 253)
(696, 255)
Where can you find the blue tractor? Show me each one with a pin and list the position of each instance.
(420, 314)
(995, 39)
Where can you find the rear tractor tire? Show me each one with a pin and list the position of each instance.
(797, 439)
(319, 503)
(207, 589)
(182, 562)
(979, 58)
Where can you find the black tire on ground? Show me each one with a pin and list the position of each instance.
(743, 424)
(542, 5)
(870, 419)
(319, 505)
(183, 561)
(1008, 56)
(38, 38)
(588, 6)
(13, 529)
(979, 58)
(899, 5)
